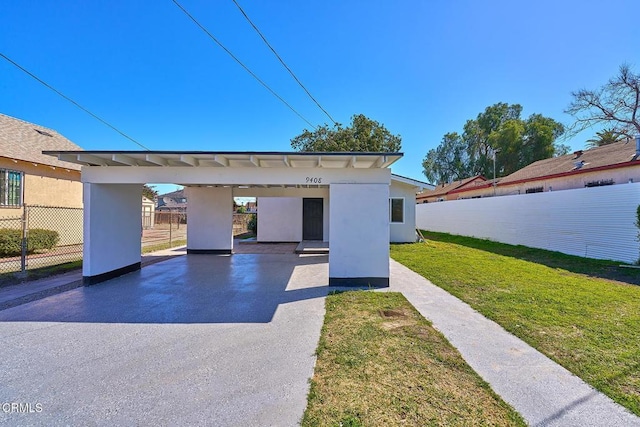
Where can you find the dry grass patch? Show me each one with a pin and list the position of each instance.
(380, 363)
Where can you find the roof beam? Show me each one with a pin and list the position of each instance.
(91, 160)
(285, 159)
(66, 158)
(380, 161)
(221, 160)
(154, 158)
(189, 160)
(352, 162)
(254, 161)
(125, 160)
(319, 161)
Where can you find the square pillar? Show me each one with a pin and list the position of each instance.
(112, 229)
(359, 235)
(209, 220)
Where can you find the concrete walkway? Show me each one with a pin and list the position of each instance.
(542, 391)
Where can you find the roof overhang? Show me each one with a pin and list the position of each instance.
(228, 159)
(419, 185)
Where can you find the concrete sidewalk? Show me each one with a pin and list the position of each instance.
(22, 293)
(542, 391)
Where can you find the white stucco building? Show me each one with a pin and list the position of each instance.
(346, 197)
(294, 219)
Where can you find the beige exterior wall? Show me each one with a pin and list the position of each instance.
(45, 185)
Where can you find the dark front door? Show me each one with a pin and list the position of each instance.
(312, 219)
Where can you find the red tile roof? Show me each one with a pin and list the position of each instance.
(444, 189)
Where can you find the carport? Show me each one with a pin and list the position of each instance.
(354, 186)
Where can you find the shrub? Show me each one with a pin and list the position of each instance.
(253, 224)
(38, 239)
(10, 242)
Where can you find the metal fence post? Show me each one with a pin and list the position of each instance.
(23, 256)
(170, 227)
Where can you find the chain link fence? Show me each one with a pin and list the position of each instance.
(44, 236)
(40, 236)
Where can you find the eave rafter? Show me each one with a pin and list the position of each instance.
(189, 160)
(221, 160)
(125, 160)
(155, 159)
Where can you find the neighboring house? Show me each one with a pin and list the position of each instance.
(175, 201)
(251, 207)
(29, 177)
(452, 190)
(293, 219)
(612, 164)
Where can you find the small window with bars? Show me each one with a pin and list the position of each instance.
(10, 188)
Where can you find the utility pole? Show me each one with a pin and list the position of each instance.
(495, 151)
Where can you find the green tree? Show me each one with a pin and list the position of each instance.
(363, 135)
(149, 192)
(498, 130)
(604, 137)
(448, 161)
(615, 104)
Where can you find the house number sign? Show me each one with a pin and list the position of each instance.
(313, 180)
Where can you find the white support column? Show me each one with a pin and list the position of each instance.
(112, 229)
(210, 220)
(359, 235)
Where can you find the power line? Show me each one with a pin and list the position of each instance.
(282, 61)
(240, 62)
(72, 101)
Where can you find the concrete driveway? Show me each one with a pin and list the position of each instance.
(196, 340)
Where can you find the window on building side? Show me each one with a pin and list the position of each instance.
(396, 209)
(534, 190)
(10, 188)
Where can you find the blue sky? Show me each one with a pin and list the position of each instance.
(422, 68)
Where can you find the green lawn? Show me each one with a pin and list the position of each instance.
(163, 246)
(567, 307)
(382, 364)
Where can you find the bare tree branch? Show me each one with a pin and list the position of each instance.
(615, 104)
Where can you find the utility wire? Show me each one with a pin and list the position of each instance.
(240, 62)
(72, 101)
(282, 61)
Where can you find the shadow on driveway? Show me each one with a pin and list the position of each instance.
(241, 288)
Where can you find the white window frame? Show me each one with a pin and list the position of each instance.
(391, 211)
(5, 188)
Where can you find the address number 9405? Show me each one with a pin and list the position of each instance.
(313, 180)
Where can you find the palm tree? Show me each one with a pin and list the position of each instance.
(605, 137)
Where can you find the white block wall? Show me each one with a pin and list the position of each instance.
(210, 216)
(359, 236)
(279, 219)
(590, 222)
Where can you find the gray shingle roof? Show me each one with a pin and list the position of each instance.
(25, 141)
